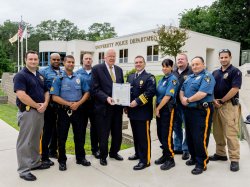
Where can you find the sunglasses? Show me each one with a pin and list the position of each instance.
(224, 50)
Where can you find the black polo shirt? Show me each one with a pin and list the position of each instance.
(32, 84)
(181, 78)
(225, 80)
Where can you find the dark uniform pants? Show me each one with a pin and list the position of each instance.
(49, 137)
(89, 115)
(165, 131)
(109, 121)
(142, 139)
(76, 119)
(198, 126)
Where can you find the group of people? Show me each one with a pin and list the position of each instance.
(51, 99)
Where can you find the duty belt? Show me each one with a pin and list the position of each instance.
(23, 107)
(203, 105)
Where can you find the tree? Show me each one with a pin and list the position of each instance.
(6, 65)
(227, 19)
(170, 40)
(101, 31)
(63, 30)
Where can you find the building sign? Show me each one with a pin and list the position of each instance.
(129, 41)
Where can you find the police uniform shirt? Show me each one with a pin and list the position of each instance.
(167, 86)
(204, 82)
(225, 80)
(85, 75)
(142, 90)
(32, 84)
(70, 88)
(49, 74)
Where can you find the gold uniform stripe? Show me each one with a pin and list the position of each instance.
(205, 136)
(170, 133)
(40, 146)
(143, 99)
(149, 142)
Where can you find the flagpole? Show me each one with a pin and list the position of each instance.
(18, 55)
(22, 53)
(26, 44)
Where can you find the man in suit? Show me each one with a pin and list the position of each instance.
(107, 115)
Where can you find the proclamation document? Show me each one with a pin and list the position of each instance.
(121, 94)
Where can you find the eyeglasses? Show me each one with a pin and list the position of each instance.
(55, 59)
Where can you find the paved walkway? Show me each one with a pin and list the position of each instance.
(117, 173)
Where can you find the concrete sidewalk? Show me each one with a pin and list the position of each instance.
(120, 173)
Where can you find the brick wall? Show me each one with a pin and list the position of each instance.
(7, 86)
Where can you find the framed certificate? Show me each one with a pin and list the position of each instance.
(121, 94)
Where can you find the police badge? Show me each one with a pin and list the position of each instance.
(225, 76)
(207, 79)
(78, 81)
(174, 82)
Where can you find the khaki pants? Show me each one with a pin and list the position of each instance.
(226, 129)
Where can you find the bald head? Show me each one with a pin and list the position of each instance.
(55, 60)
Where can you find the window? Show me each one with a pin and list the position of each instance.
(123, 56)
(101, 57)
(152, 53)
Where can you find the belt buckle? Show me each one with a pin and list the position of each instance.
(205, 104)
(69, 112)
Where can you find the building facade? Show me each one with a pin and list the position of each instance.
(142, 43)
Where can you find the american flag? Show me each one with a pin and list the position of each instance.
(20, 29)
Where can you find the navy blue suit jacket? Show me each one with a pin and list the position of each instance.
(101, 86)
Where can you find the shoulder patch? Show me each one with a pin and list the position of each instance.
(172, 91)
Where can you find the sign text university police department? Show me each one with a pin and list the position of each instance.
(126, 42)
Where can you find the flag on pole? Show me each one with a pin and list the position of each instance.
(13, 39)
(24, 34)
(20, 30)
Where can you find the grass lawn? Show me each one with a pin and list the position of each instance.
(8, 114)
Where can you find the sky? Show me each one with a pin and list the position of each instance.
(127, 16)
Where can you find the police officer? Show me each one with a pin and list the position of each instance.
(165, 108)
(226, 115)
(181, 72)
(88, 106)
(70, 91)
(32, 100)
(140, 112)
(197, 95)
(49, 137)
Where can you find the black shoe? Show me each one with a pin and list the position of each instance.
(83, 162)
(234, 166)
(103, 161)
(216, 157)
(28, 177)
(140, 166)
(190, 162)
(48, 162)
(96, 154)
(198, 170)
(41, 167)
(161, 160)
(168, 164)
(133, 157)
(117, 157)
(185, 156)
(62, 167)
(178, 152)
